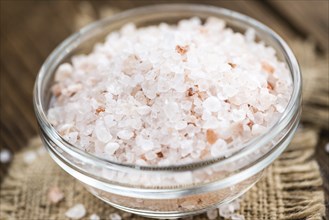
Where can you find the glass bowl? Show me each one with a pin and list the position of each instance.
(177, 190)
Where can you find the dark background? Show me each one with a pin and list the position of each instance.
(30, 30)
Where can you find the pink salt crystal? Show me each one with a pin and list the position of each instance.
(5, 156)
(94, 217)
(212, 214)
(55, 195)
(76, 212)
(115, 216)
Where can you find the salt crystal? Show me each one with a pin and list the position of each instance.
(94, 217)
(110, 148)
(258, 129)
(212, 214)
(55, 195)
(125, 134)
(212, 104)
(64, 71)
(5, 156)
(327, 148)
(29, 157)
(102, 134)
(115, 216)
(143, 110)
(237, 217)
(76, 212)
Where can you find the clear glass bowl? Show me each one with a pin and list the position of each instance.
(177, 190)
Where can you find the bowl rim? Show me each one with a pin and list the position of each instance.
(73, 40)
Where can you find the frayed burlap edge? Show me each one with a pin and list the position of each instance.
(291, 188)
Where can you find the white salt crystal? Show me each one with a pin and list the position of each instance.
(76, 212)
(115, 216)
(125, 134)
(237, 217)
(64, 71)
(144, 143)
(29, 157)
(110, 148)
(5, 156)
(257, 129)
(94, 217)
(219, 148)
(212, 104)
(143, 110)
(212, 214)
(238, 115)
(102, 133)
(327, 148)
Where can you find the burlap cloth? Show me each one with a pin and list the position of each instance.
(291, 188)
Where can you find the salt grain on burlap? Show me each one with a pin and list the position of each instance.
(5, 156)
(76, 212)
(186, 92)
(55, 195)
(115, 216)
(94, 217)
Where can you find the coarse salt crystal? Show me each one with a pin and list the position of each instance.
(5, 156)
(115, 216)
(76, 212)
(110, 148)
(55, 195)
(125, 134)
(143, 110)
(94, 217)
(237, 217)
(212, 104)
(212, 214)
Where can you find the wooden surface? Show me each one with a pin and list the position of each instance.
(30, 30)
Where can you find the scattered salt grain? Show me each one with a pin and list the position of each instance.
(228, 210)
(55, 195)
(212, 214)
(327, 148)
(115, 216)
(5, 156)
(76, 212)
(94, 217)
(29, 157)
